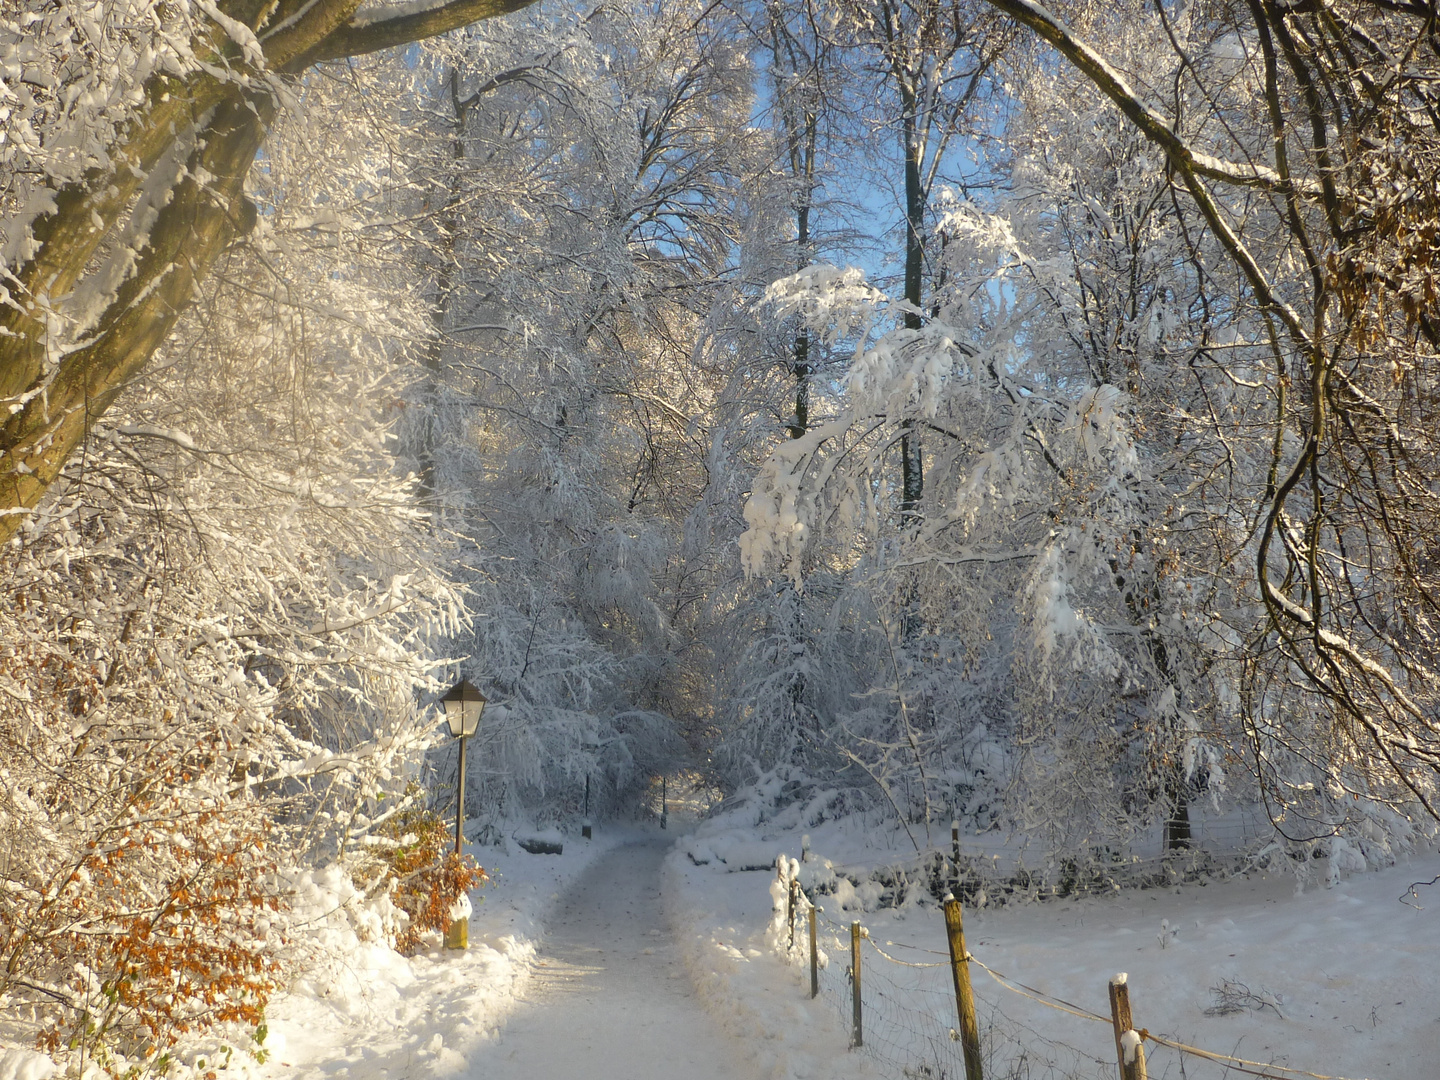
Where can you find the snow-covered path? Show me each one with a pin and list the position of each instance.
(609, 997)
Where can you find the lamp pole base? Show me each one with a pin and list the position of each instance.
(458, 936)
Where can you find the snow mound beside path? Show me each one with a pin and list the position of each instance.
(18, 1064)
(720, 928)
(377, 1015)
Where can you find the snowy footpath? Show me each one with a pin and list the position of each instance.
(609, 996)
(572, 970)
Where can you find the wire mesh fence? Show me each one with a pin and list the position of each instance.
(993, 880)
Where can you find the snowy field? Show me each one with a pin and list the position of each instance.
(1338, 981)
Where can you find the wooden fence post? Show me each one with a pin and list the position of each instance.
(856, 1039)
(1129, 1044)
(814, 958)
(964, 995)
(794, 889)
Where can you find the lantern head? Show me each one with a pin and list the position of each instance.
(463, 706)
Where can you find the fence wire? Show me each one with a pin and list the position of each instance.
(909, 1025)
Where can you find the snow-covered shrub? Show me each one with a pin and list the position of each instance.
(414, 865)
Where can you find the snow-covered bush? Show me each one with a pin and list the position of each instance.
(135, 904)
(415, 867)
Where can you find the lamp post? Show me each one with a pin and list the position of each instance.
(463, 706)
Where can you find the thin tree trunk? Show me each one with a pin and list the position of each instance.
(912, 465)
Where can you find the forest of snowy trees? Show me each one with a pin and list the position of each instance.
(962, 409)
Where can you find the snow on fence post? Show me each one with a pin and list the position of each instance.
(814, 958)
(794, 889)
(964, 995)
(782, 868)
(1132, 1051)
(1129, 1044)
(856, 1038)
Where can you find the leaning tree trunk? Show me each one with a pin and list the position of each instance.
(60, 369)
(196, 226)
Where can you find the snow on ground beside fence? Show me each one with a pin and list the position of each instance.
(1340, 981)
(721, 923)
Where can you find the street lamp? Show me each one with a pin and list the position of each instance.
(463, 706)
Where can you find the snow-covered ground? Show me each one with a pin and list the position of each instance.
(609, 998)
(720, 924)
(368, 1012)
(1340, 981)
(382, 1016)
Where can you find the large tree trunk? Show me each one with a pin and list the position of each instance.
(60, 369)
(188, 236)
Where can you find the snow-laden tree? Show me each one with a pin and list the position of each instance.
(589, 340)
(219, 630)
(892, 90)
(1127, 449)
(1299, 144)
(1031, 558)
(930, 61)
